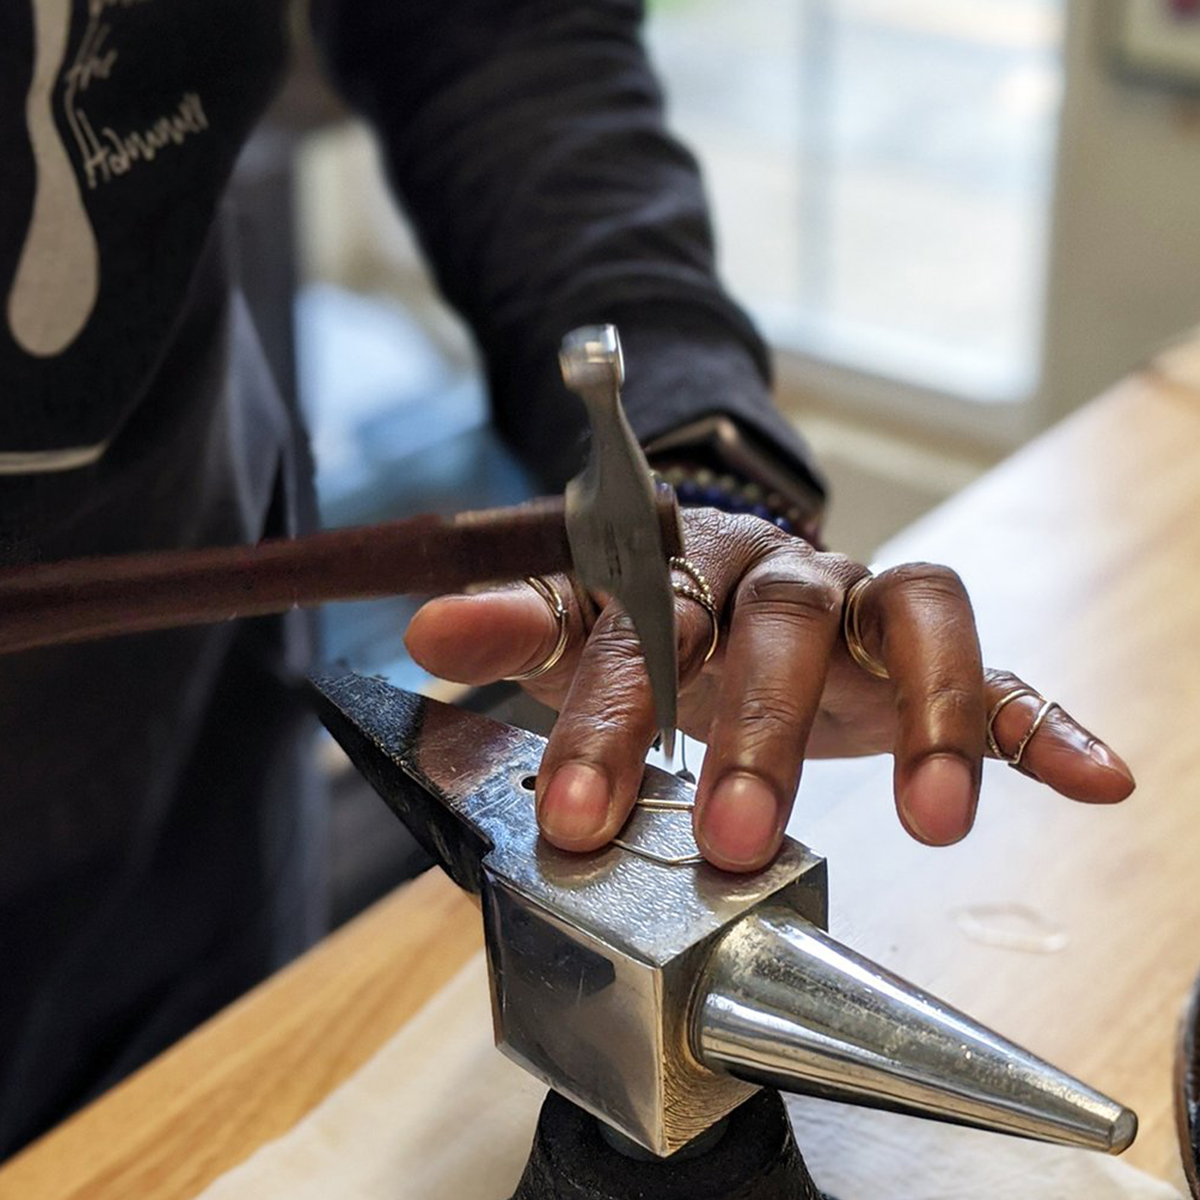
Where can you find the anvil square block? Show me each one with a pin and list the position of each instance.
(592, 991)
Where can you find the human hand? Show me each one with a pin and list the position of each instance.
(781, 686)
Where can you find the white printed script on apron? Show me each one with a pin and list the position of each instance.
(58, 274)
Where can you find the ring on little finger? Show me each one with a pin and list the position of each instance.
(852, 632)
(698, 590)
(558, 609)
(1017, 693)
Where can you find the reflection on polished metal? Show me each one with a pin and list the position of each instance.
(658, 996)
(781, 1003)
(616, 543)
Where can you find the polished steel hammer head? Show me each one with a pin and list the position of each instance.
(612, 526)
(658, 992)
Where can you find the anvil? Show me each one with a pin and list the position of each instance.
(660, 993)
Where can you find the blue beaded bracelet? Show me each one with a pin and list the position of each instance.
(702, 488)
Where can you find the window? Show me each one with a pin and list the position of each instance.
(881, 174)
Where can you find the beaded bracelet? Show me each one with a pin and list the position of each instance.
(701, 488)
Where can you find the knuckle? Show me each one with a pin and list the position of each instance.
(771, 713)
(839, 567)
(614, 640)
(778, 587)
(614, 651)
(1003, 680)
(954, 701)
(724, 534)
(768, 722)
(928, 579)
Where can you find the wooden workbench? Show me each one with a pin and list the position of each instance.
(1075, 931)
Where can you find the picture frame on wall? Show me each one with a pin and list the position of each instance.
(1157, 42)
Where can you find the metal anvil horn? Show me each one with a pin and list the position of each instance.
(659, 992)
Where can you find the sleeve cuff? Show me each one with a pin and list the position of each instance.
(675, 376)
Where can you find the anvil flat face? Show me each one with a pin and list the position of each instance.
(593, 958)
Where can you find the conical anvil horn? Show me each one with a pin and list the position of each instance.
(658, 992)
(781, 1003)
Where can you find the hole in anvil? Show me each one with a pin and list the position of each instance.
(528, 781)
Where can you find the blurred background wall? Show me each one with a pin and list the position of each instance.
(955, 219)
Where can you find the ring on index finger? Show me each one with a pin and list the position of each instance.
(852, 633)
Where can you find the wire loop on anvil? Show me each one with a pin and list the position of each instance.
(652, 804)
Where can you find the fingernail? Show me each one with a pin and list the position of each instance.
(740, 822)
(939, 800)
(1109, 759)
(575, 805)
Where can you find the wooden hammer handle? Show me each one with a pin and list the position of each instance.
(81, 599)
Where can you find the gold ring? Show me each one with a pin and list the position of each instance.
(550, 594)
(852, 634)
(1018, 693)
(699, 591)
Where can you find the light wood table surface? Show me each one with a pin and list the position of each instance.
(1073, 930)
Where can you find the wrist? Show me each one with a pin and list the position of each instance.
(699, 486)
(713, 463)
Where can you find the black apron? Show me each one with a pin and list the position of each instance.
(162, 841)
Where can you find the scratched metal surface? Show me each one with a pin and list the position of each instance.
(464, 788)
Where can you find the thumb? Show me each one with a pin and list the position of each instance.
(484, 637)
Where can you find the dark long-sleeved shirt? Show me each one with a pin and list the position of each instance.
(525, 138)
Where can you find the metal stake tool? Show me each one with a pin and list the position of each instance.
(657, 992)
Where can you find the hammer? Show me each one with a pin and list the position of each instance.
(613, 529)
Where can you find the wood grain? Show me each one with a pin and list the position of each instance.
(252, 1072)
(1082, 554)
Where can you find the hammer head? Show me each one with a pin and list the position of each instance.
(612, 525)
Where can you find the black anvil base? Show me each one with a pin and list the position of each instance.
(755, 1159)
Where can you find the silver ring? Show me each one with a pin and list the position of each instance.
(558, 608)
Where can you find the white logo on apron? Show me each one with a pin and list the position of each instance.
(58, 274)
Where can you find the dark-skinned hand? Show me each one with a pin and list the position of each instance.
(781, 687)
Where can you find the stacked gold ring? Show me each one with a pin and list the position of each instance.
(698, 590)
(852, 633)
(1014, 760)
